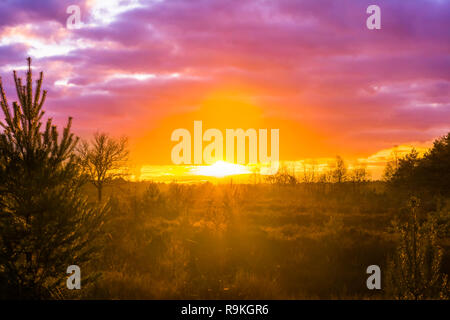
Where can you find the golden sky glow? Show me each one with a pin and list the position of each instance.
(375, 165)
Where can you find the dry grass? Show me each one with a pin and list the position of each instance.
(262, 241)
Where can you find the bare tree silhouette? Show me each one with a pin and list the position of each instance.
(103, 160)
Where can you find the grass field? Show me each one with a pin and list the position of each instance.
(241, 241)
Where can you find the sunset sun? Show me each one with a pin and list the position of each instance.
(220, 169)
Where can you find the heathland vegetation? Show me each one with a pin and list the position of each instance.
(63, 202)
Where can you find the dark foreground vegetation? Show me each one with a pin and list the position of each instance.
(257, 241)
(63, 205)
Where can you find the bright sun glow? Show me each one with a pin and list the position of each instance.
(220, 169)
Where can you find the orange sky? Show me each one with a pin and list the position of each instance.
(309, 68)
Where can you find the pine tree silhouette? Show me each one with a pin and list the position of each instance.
(45, 225)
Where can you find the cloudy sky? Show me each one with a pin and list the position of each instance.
(311, 68)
